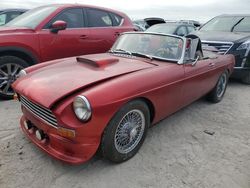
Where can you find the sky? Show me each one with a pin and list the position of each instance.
(201, 10)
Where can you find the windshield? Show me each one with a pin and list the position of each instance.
(162, 28)
(164, 47)
(243, 26)
(32, 18)
(222, 24)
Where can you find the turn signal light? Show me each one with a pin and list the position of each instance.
(15, 96)
(66, 132)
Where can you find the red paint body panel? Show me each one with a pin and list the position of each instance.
(168, 86)
(43, 45)
(83, 75)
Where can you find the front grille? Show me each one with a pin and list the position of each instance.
(217, 46)
(39, 111)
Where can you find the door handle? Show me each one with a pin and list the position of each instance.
(211, 64)
(83, 37)
(117, 33)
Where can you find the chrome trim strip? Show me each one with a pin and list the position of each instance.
(224, 45)
(40, 118)
(48, 118)
(242, 68)
(219, 42)
(49, 113)
(40, 112)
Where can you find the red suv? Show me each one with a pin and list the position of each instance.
(56, 31)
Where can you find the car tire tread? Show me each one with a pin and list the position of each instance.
(11, 59)
(108, 149)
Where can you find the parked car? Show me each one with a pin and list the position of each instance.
(192, 22)
(56, 31)
(148, 22)
(74, 106)
(138, 27)
(180, 29)
(230, 34)
(6, 15)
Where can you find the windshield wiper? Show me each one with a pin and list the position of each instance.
(142, 55)
(120, 51)
(232, 29)
(138, 54)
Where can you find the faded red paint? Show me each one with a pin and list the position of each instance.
(43, 45)
(168, 86)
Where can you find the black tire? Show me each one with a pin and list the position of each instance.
(246, 79)
(14, 63)
(109, 144)
(217, 93)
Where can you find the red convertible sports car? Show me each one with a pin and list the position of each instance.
(75, 106)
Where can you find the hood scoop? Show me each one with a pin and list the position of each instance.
(96, 62)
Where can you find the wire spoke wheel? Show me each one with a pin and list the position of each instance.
(221, 86)
(8, 74)
(129, 132)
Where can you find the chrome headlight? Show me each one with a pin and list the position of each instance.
(82, 108)
(244, 46)
(22, 73)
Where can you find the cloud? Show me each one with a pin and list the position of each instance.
(177, 9)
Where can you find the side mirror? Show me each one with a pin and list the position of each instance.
(58, 25)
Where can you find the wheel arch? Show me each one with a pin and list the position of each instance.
(19, 52)
(150, 105)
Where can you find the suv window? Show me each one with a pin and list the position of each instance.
(243, 26)
(73, 18)
(117, 20)
(181, 31)
(12, 15)
(2, 19)
(98, 18)
(190, 29)
(32, 18)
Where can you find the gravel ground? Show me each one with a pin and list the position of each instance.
(177, 153)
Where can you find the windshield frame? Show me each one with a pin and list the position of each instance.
(178, 61)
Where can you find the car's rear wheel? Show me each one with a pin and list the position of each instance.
(126, 132)
(246, 78)
(219, 90)
(10, 66)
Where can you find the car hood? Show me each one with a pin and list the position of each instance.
(221, 36)
(49, 84)
(6, 30)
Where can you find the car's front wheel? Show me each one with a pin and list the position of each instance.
(126, 132)
(219, 90)
(10, 66)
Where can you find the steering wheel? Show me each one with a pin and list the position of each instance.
(165, 53)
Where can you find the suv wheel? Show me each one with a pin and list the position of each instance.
(10, 66)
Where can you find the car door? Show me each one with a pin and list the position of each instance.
(72, 41)
(168, 98)
(102, 33)
(199, 79)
